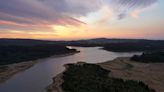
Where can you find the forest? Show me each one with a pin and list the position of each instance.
(10, 54)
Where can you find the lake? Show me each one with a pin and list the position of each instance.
(38, 77)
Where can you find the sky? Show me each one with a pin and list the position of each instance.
(82, 19)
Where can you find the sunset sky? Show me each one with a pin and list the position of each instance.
(81, 19)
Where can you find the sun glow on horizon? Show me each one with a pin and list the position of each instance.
(68, 30)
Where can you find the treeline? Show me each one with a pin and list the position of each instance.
(146, 57)
(10, 54)
(93, 78)
(135, 46)
(121, 45)
(116, 45)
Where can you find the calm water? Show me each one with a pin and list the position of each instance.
(40, 75)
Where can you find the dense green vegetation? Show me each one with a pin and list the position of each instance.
(92, 78)
(10, 54)
(153, 57)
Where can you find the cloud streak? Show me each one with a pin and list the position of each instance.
(26, 13)
(125, 7)
(34, 12)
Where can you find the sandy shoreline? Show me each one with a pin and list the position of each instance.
(150, 73)
(13, 69)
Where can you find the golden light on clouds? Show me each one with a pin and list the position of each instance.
(62, 30)
(68, 30)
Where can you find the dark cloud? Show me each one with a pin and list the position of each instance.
(73, 7)
(21, 8)
(122, 15)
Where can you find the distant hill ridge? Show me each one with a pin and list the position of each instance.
(27, 42)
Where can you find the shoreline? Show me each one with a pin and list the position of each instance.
(150, 73)
(58, 80)
(121, 67)
(12, 69)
